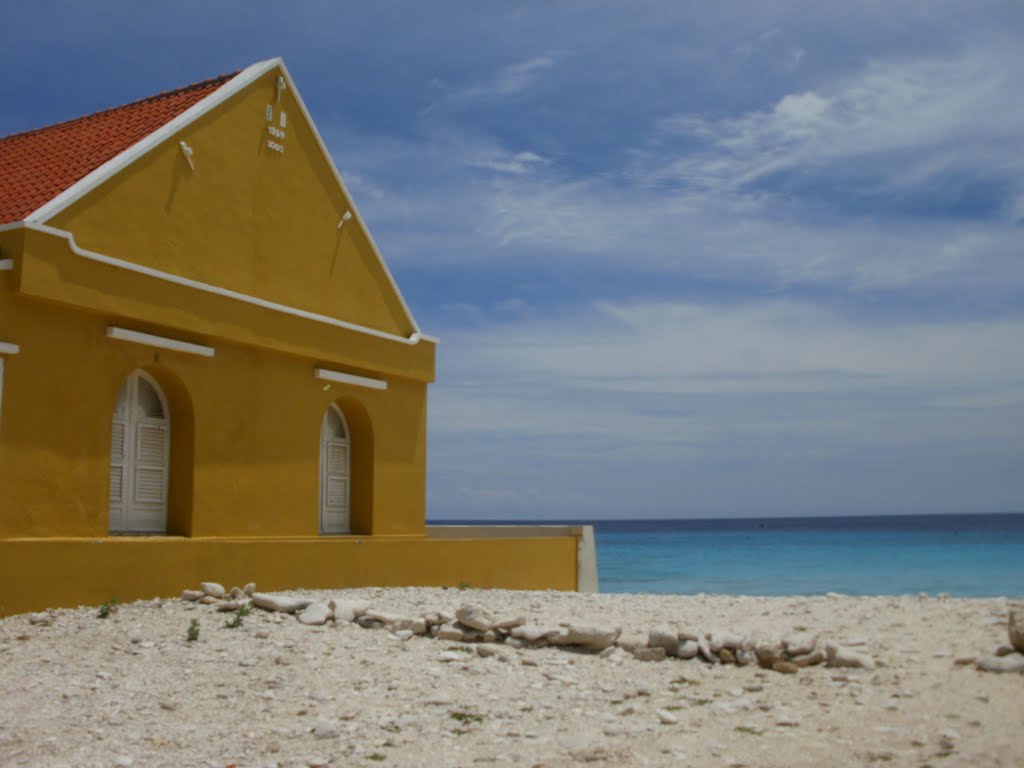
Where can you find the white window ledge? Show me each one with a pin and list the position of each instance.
(136, 337)
(349, 378)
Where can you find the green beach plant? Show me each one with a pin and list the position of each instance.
(107, 608)
(240, 613)
(193, 631)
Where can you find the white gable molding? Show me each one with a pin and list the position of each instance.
(227, 90)
(137, 337)
(216, 290)
(350, 378)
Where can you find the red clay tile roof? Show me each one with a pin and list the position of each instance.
(38, 165)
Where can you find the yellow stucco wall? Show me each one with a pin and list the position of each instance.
(48, 574)
(252, 417)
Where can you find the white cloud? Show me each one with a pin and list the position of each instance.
(939, 113)
(517, 77)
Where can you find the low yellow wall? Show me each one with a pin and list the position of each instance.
(60, 573)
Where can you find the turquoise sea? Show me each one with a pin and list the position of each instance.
(962, 555)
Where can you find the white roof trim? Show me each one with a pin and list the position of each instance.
(9, 349)
(197, 110)
(137, 337)
(141, 147)
(216, 290)
(349, 378)
(6, 265)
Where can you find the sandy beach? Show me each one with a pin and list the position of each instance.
(132, 690)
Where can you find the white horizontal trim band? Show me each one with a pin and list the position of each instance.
(349, 378)
(6, 265)
(207, 288)
(163, 342)
(9, 349)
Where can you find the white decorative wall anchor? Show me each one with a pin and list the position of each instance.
(187, 151)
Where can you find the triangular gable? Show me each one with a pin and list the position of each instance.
(363, 290)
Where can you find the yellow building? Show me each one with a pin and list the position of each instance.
(207, 370)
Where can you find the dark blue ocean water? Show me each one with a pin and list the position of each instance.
(963, 555)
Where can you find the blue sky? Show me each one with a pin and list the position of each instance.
(685, 259)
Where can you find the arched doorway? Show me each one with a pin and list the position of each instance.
(139, 457)
(335, 448)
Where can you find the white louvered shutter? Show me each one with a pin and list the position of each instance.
(139, 460)
(335, 512)
(118, 460)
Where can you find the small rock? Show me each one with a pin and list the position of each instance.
(768, 652)
(170, 706)
(212, 588)
(348, 610)
(687, 649)
(474, 617)
(838, 656)
(191, 595)
(531, 633)
(262, 634)
(450, 632)
(800, 645)
(419, 626)
(209, 600)
(1005, 650)
(509, 623)
(450, 656)
(745, 657)
(705, 650)
(38, 618)
(315, 614)
(666, 717)
(1016, 627)
(249, 588)
(719, 640)
(785, 667)
(594, 638)
(123, 762)
(649, 654)
(326, 730)
(810, 659)
(318, 762)
(630, 640)
(664, 636)
(402, 634)
(1011, 663)
(726, 656)
(279, 603)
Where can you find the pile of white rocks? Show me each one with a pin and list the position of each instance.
(1007, 658)
(475, 624)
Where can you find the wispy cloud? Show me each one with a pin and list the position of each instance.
(912, 119)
